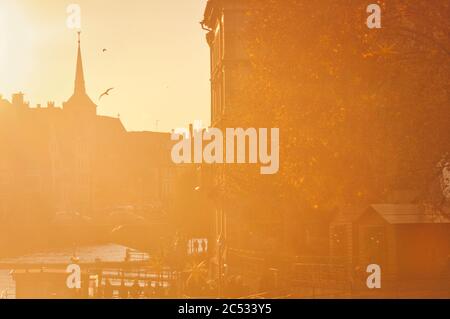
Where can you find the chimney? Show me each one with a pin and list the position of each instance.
(191, 130)
(50, 105)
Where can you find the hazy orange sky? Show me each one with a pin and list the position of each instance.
(157, 57)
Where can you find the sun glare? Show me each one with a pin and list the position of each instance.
(16, 47)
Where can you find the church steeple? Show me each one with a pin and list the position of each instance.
(80, 102)
(79, 75)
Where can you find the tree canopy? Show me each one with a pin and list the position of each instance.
(362, 112)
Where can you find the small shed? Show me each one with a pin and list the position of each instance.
(409, 241)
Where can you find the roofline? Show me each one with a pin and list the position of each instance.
(439, 219)
(210, 13)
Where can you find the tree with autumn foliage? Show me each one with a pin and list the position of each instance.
(362, 112)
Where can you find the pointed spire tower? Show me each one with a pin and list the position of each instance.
(79, 75)
(80, 102)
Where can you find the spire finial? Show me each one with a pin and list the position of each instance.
(79, 76)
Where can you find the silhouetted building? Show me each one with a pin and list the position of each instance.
(229, 59)
(69, 160)
(242, 229)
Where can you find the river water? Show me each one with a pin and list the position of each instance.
(107, 253)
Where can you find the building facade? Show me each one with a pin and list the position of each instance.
(69, 162)
(246, 232)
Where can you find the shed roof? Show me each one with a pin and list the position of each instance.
(409, 214)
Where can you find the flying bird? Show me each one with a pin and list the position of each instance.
(104, 50)
(105, 93)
